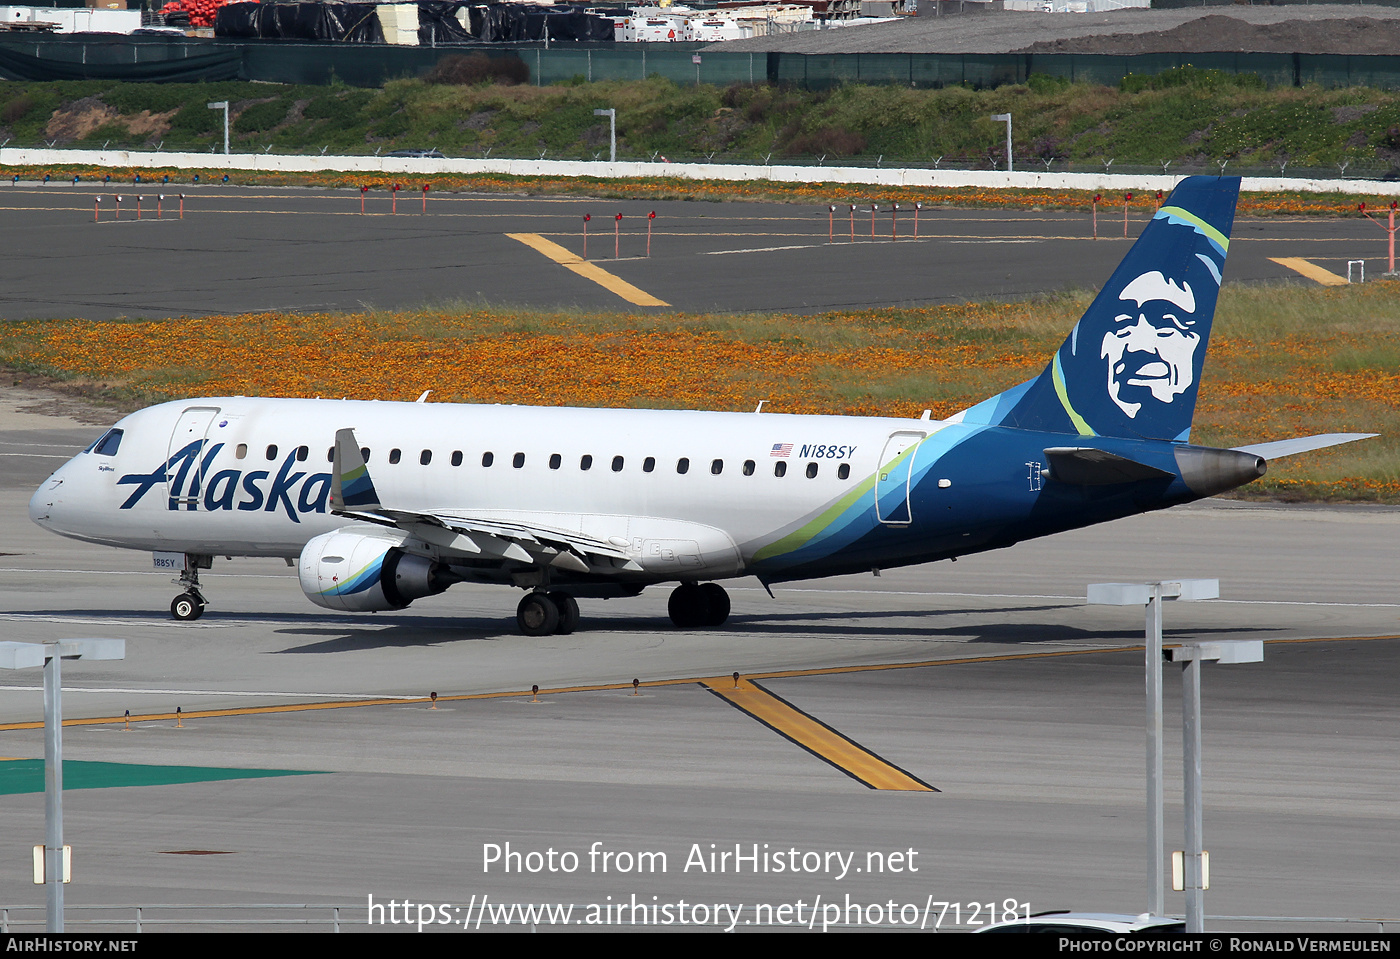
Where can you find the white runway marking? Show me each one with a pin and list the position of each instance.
(138, 572)
(1080, 598)
(768, 249)
(350, 697)
(243, 620)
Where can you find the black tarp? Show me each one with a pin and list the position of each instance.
(514, 23)
(120, 60)
(438, 23)
(338, 22)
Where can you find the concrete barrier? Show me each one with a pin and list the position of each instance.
(410, 168)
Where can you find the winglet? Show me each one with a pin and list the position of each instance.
(351, 487)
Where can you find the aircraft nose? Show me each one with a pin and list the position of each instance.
(46, 500)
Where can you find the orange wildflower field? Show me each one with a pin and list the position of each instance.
(1284, 361)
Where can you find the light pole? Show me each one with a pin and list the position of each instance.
(1007, 118)
(222, 105)
(52, 860)
(1152, 596)
(1190, 869)
(611, 114)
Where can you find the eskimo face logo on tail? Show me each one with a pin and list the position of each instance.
(1132, 365)
(228, 489)
(1150, 349)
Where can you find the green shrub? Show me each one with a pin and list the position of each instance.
(261, 117)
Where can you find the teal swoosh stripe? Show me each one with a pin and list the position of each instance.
(1175, 214)
(853, 515)
(359, 582)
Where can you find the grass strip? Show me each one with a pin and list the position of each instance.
(1284, 361)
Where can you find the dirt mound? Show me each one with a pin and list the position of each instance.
(1217, 33)
(81, 117)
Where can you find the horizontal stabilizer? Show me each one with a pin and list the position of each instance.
(1303, 444)
(1087, 466)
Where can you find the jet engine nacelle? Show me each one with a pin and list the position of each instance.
(362, 571)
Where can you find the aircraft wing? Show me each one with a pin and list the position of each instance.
(353, 496)
(1302, 444)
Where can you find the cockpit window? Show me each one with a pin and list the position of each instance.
(107, 445)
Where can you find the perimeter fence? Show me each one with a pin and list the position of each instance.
(181, 59)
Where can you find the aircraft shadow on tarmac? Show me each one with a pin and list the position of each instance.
(360, 633)
(434, 632)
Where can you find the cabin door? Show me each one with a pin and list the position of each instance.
(892, 481)
(184, 466)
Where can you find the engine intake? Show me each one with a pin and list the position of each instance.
(357, 571)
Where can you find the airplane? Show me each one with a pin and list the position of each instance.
(381, 504)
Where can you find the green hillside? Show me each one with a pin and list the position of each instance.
(1189, 119)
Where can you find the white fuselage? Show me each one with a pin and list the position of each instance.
(256, 481)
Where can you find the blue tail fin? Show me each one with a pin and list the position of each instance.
(1132, 365)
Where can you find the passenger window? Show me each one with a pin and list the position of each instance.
(716, 467)
(330, 455)
(683, 465)
(617, 464)
(364, 453)
(425, 457)
(487, 459)
(518, 460)
(555, 461)
(272, 452)
(585, 462)
(843, 471)
(302, 453)
(648, 464)
(241, 451)
(395, 456)
(456, 457)
(811, 470)
(108, 445)
(780, 468)
(749, 467)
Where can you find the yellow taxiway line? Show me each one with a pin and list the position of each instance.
(648, 684)
(585, 269)
(813, 735)
(743, 693)
(1311, 270)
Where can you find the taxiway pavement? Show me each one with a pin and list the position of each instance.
(1022, 705)
(240, 250)
(1038, 760)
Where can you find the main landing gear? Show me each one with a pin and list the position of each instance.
(692, 606)
(541, 613)
(698, 605)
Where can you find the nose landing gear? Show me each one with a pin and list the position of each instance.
(190, 604)
(187, 606)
